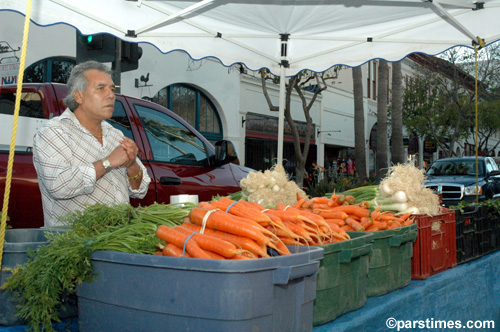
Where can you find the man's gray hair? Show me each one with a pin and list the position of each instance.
(78, 80)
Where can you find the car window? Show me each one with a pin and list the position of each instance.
(31, 117)
(459, 167)
(30, 106)
(490, 165)
(120, 121)
(170, 140)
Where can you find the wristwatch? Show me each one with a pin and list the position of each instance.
(106, 164)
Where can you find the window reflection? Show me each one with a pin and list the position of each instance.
(170, 140)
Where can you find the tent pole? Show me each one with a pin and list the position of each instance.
(281, 116)
(284, 64)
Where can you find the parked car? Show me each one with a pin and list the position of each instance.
(178, 158)
(455, 179)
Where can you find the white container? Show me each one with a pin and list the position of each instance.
(184, 199)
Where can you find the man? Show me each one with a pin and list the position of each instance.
(81, 159)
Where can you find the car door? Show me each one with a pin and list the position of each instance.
(38, 103)
(493, 180)
(178, 156)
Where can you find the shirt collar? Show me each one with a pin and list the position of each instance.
(68, 115)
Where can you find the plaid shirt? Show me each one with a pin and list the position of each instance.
(63, 155)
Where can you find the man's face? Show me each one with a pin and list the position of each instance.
(98, 101)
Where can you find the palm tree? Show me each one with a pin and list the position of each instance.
(397, 149)
(382, 139)
(359, 124)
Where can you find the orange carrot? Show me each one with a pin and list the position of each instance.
(340, 222)
(408, 222)
(386, 216)
(240, 210)
(173, 251)
(299, 203)
(381, 225)
(376, 213)
(333, 201)
(341, 235)
(299, 197)
(225, 222)
(395, 224)
(289, 241)
(364, 204)
(372, 228)
(334, 227)
(334, 214)
(239, 241)
(206, 205)
(256, 205)
(338, 199)
(221, 247)
(298, 230)
(356, 225)
(355, 217)
(281, 247)
(366, 222)
(347, 228)
(320, 206)
(350, 200)
(353, 210)
(404, 216)
(319, 220)
(307, 204)
(169, 235)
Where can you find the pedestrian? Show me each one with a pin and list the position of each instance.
(80, 159)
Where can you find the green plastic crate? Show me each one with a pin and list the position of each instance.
(390, 259)
(342, 275)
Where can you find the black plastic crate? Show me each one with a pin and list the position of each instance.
(471, 229)
(494, 220)
(485, 231)
(496, 232)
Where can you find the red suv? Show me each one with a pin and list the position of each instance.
(178, 158)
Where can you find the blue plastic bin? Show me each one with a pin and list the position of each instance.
(17, 243)
(150, 293)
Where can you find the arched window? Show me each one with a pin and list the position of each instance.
(193, 106)
(55, 69)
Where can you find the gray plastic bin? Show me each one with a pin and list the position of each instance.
(150, 293)
(17, 243)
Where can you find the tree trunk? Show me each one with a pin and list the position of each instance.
(382, 137)
(359, 124)
(300, 155)
(397, 150)
(297, 84)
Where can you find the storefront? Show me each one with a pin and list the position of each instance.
(261, 143)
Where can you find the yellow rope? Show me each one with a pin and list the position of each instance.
(8, 180)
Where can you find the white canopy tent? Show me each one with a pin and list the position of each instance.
(285, 36)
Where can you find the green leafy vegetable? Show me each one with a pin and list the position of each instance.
(57, 268)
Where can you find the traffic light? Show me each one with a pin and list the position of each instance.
(100, 47)
(131, 53)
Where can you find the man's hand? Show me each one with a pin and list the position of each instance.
(130, 149)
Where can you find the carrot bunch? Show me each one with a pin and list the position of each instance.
(287, 224)
(344, 212)
(223, 229)
(229, 229)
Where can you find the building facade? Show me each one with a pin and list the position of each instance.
(221, 102)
